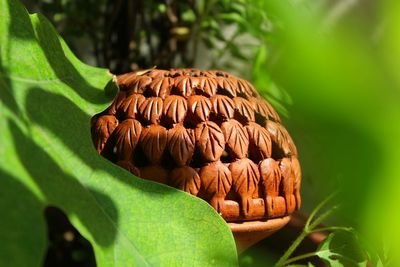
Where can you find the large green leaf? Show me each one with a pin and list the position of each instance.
(46, 158)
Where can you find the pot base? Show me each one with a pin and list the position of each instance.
(248, 233)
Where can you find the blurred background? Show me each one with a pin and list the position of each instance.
(330, 68)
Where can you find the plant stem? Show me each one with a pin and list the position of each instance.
(300, 257)
(291, 249)
(318, 208)
(332, 228)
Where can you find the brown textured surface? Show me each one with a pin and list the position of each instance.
(208, 133)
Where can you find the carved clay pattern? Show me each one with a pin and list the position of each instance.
(245, 177)
(126, 137)
(236, 138)
(216, 182)
(199, 108)
(288, 184)
(209, 140)
(208, 133)
(102, 127)
(161, 86)
(244, 110)
(139, 85)
(155, 173)
(245, 89)
(260, 142)
(186, 179)
(181, 144)
(151, 109)
(207, 86)
(297, 181)
(227, 86)
(281, 138)
(154, 141)
(115, 105)
(271, 178)
(223, 106)
(130, 106)
(174, 109)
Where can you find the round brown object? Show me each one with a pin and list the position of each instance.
(208, 133)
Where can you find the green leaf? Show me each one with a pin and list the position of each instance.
(47, 158)
(342, 248)
(189, 16)
(232, 18)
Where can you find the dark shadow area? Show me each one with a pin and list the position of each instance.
(67, 247)
(6, 96)
(65, 190)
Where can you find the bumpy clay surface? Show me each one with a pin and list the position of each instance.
(208, 133)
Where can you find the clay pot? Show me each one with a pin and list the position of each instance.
(210, 134)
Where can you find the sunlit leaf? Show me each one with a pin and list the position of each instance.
(47, 158)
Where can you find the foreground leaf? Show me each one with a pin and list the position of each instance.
(47, 158)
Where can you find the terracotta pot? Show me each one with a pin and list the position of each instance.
(210, 134)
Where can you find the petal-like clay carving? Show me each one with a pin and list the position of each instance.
(126, 137)
(245, 178)
(140, 84)
(297, 181)
(154, 173)
(216, 181)
(174, 109)
(206, 86)
(245, 89)
(243, 109)
(161, 86)
(126, 80)
(226, 86)
(209, 140)
(236, 138)
(101, 129)
(116, 104)
(186, 179)
(151, 109)
(288, 184)
(153, 141)
(199, 108)
(181, 144)
(263, 108)
(260, 142)
(130, 106)
(281, 138)
(270, 177)
(182, 86)
(223, 106)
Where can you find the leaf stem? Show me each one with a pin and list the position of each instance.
(300, 257)
(318, 208)
(332, 228)
(291, 249)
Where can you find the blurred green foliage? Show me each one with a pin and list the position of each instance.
(338, 60)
